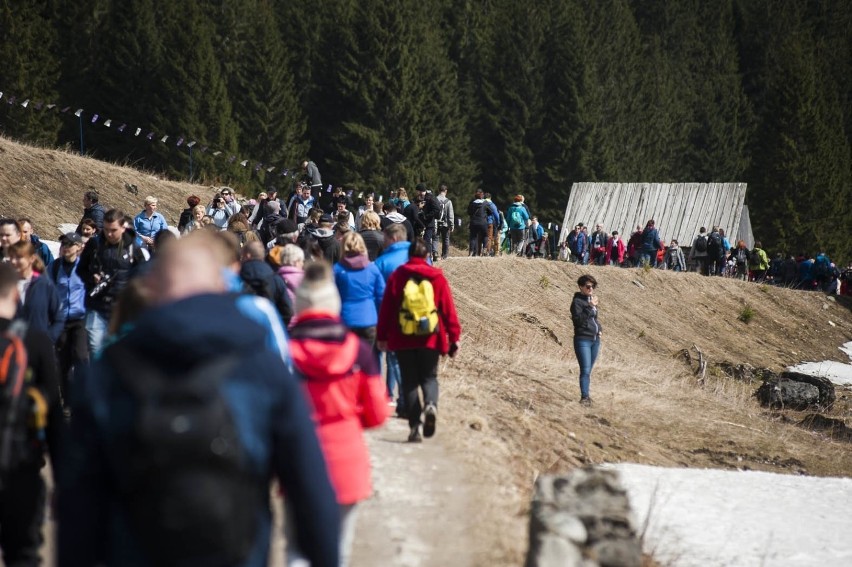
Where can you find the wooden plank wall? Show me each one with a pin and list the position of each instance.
(679, 209)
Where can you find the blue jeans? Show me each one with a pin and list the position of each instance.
(648, 258)
(96, 330)
(587, 352)
(394, 380)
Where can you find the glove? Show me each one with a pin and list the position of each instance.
(454, 348)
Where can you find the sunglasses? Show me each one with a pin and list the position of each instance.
(589, 286)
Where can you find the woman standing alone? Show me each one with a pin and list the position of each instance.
(587, 332)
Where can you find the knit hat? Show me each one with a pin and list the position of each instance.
(317, 290)
(286, 226)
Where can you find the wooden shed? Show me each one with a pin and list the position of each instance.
(679, 209)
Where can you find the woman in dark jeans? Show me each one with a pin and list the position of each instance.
(587, 332)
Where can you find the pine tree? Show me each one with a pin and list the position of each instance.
(192, 100)
(29, 71)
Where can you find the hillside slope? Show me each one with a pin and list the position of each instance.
(509, 400)
(514, 390)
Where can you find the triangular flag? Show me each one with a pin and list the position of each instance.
(78, 113)
(1, 94)
(108, 122)
(217, 152)
(25, 103)
(269, 169)
(38, 105)
(12, 99)
(164, 138)
(258, 166)
(179, 142)
(244, 162)
(50, 106)
(192, 143)
(138, 131)
(231, 159)
(122, 127)
(94, 118)
(66, 109)
(150, 136)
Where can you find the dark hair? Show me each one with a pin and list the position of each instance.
(8, 278)
(193, 201)
(418, 249)
(12, 222)
(91, 196)
(163, 237)
(24, 248)
(389, 207)
(114, 215)
(587, 279)
(90, 223)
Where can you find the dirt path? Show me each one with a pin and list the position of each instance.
(422, 510)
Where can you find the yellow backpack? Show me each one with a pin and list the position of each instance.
(418, 315)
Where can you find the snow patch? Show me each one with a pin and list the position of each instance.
(838, 372)
(717, 518)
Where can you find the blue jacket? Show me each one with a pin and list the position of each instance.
(521, 213)
(42, 250)
(493, 212)
(392, 257)
(149, 227)
(361, 290)
(267, 403)
(42, 309)
(650, 240)
(71, 288)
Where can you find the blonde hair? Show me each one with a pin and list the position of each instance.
(151, 200)
(25, 248)
(401, 193)
(291, 255)
(197, 208)
(370, 221)
(353, 244)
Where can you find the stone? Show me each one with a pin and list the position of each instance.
(582, 514)
(827, 391)
(786, 393)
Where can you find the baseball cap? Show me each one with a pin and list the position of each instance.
(70, 238)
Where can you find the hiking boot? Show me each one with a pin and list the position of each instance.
(430, 417)
(414, 436)
(586, 401)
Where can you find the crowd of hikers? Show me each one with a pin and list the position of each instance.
(171, 374)
(710, 253)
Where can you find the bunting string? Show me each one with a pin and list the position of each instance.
(170, 140)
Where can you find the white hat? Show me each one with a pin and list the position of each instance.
(317, 290)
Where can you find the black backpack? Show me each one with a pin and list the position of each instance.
(701, 244)
(183, 475)
(480, 214)
(714, 245)
(15, 437)
(442, 219)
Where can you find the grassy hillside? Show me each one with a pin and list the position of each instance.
(510, 399)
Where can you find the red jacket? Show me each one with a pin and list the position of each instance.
(342, 380)
(619, 250)
(388, 329)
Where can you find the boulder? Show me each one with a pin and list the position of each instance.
(827, 394)
(582, 519)
(786, 393)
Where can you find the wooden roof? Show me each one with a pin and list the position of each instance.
(679, 209)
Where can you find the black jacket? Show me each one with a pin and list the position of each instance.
(115, 260)
(585, 317)
(96, 213)
(259, 279)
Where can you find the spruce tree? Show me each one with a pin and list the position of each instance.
(30, 70)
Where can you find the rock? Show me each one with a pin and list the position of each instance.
(827, 393)
(582, 514)
(786, 393)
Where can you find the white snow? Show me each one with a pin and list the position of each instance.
(717, 518)
(838, 372)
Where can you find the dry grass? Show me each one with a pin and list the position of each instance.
(514, 387)
(509, 400)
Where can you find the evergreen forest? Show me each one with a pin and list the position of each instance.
(512, 96)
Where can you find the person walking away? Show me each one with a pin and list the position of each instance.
(361, 287)
(518, 221)
(344, 387)
(418, 321)
(105, 267)
(259, 279)
(446, 223)
(741, 257)
(187, 215)
(494, 223)
(634, 246)
(71, 348)
(587, 332)
(312, 177)
(715, 253)
(477, 211)
(290, 262)
(29, 417)
(759, 262)
(698, 252)
(184, 423)
(650, 244)
(394, 255)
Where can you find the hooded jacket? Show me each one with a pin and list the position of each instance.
(115, 260)
(342, 381)
(393, 257)
(388, 329)
(398, 218)
(269, 410)
(361, 288)
(260, 279)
